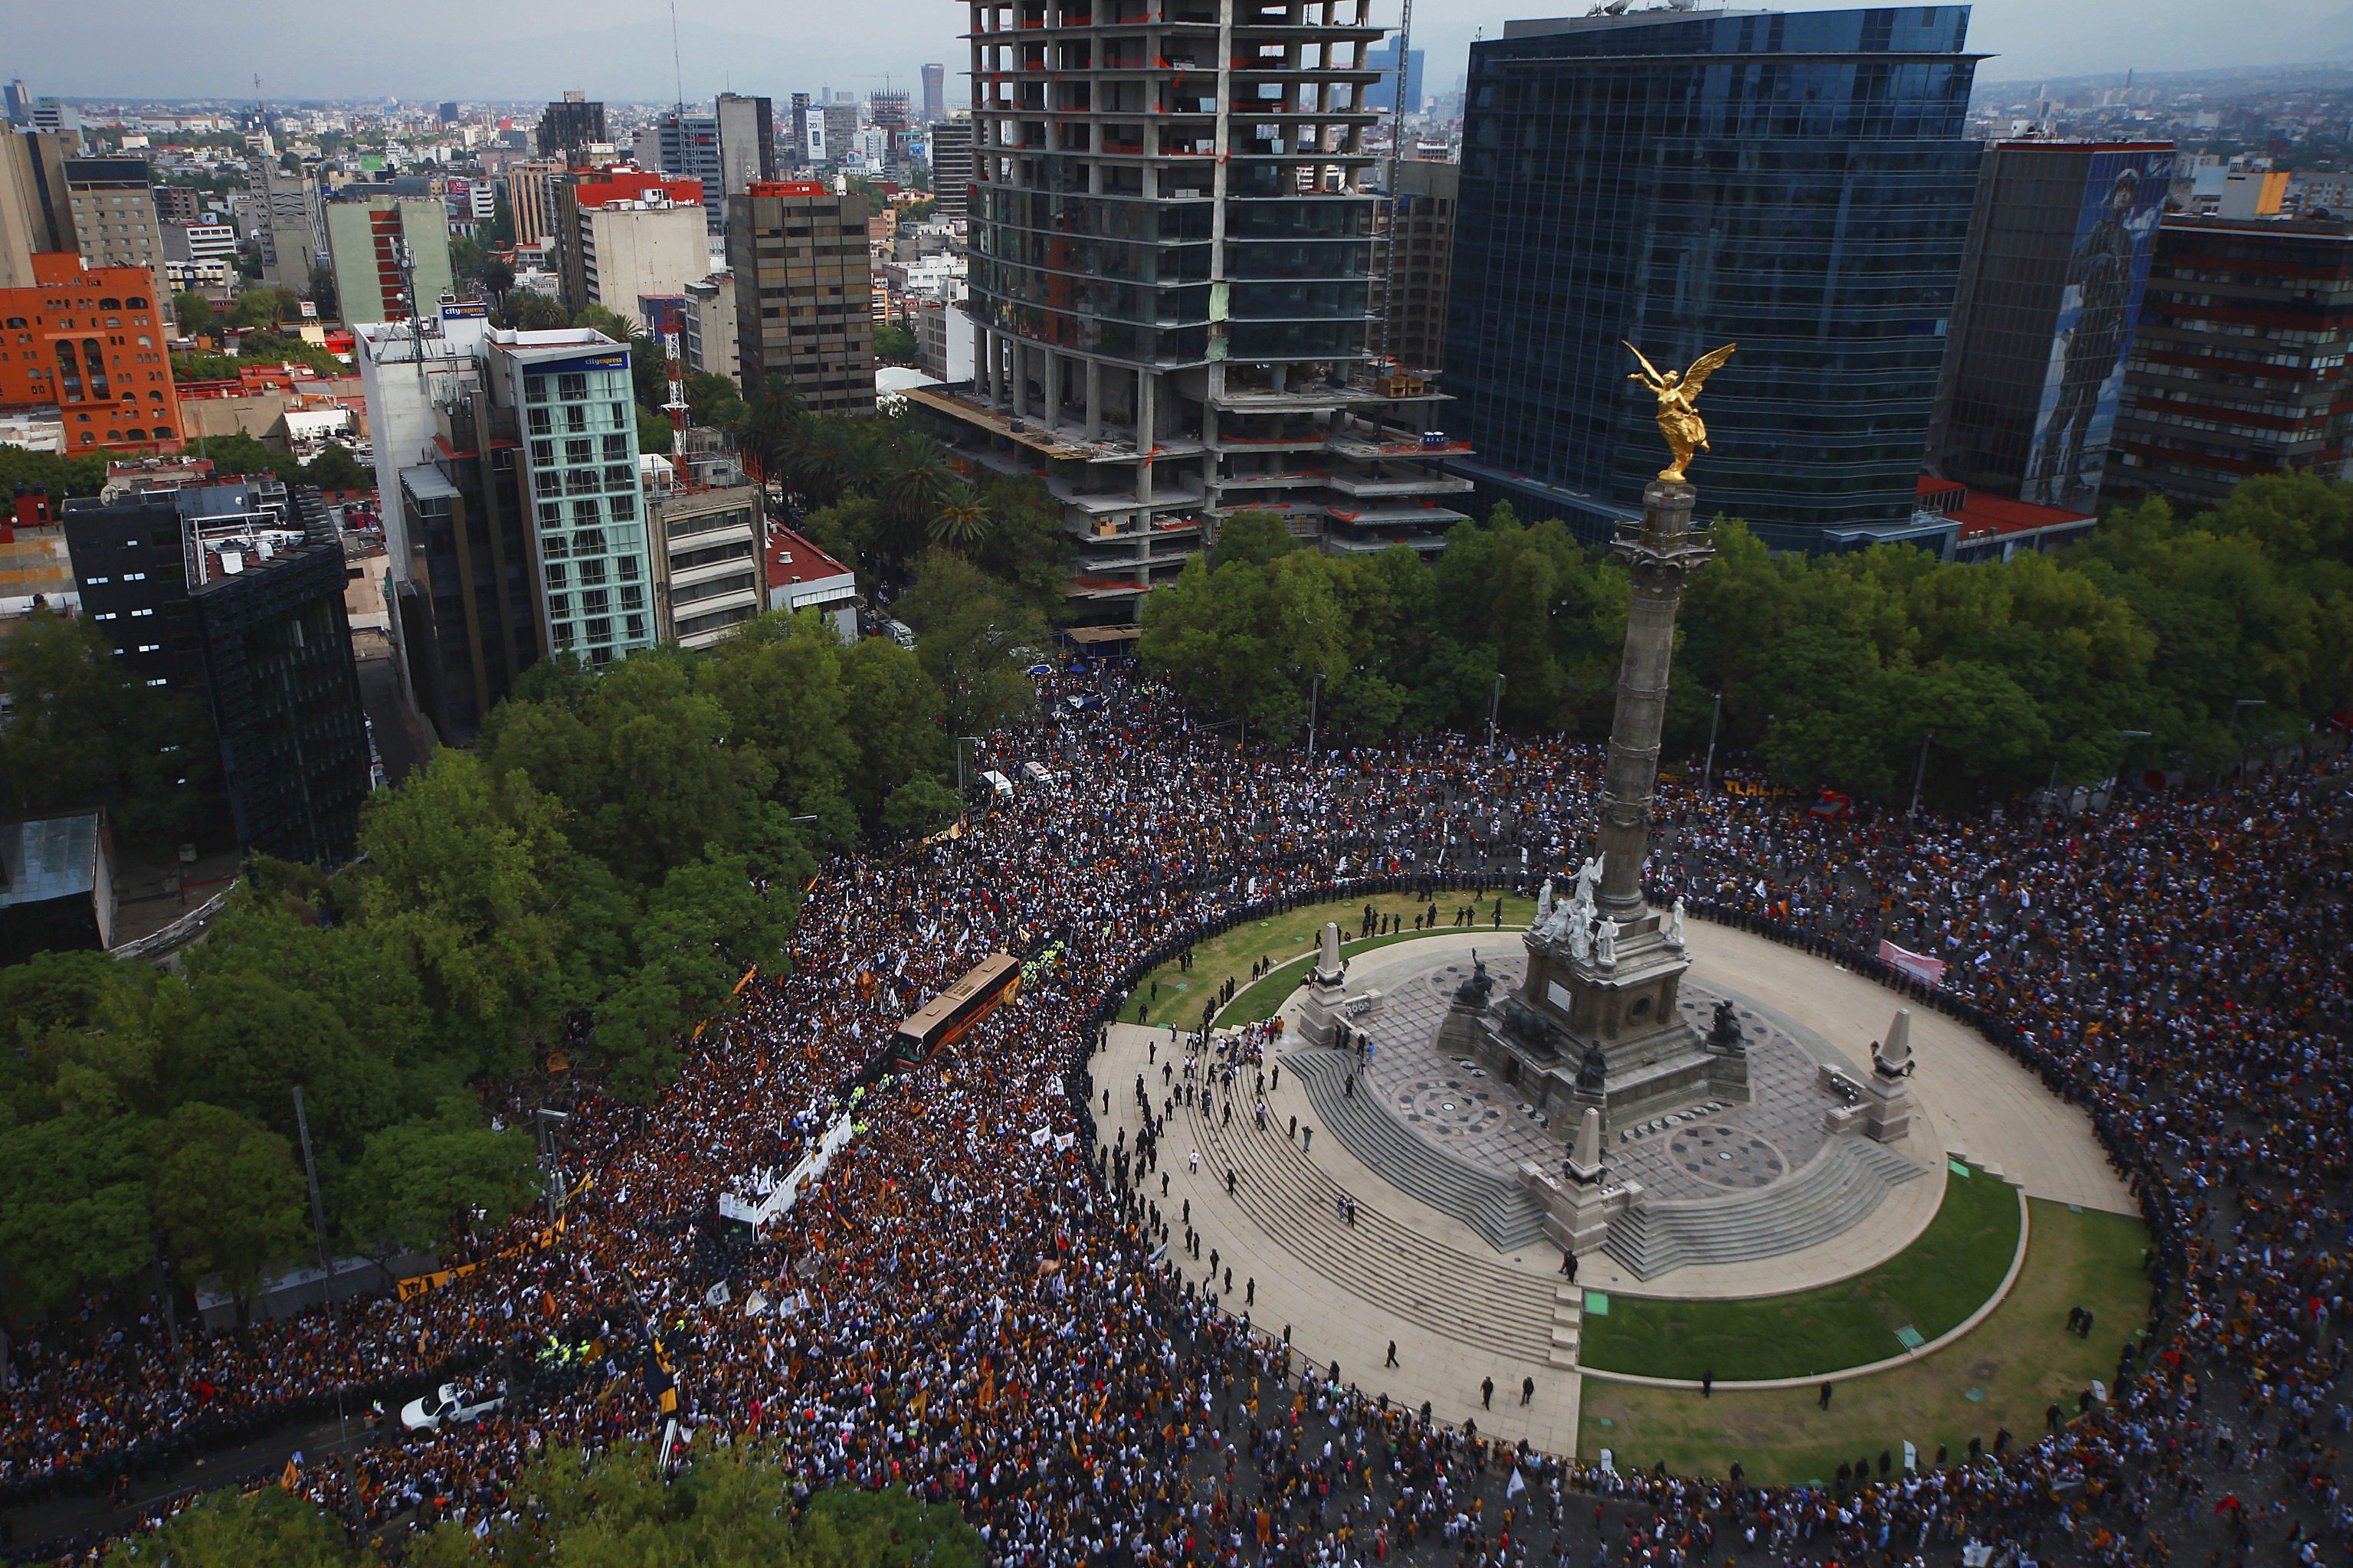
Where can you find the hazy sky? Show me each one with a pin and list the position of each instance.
(621, 50)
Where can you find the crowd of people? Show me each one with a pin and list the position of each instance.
(976, 1300)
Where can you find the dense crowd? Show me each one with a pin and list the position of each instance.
(976, 1301)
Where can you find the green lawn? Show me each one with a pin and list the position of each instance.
(1289, 940)
(1930, 1287)
(2006, 1372)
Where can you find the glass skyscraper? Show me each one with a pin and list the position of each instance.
(1794, 183)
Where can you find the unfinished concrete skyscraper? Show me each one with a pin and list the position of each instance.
(1171, 259)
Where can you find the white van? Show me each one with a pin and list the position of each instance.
(1036, 774)
(999, 783)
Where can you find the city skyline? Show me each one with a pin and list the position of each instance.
(616, 51)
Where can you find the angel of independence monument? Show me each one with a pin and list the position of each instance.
(1594, 1033)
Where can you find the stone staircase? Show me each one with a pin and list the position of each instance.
(1469, 1298)
(1495, 1206)
(1568, 1323)
(1832, 1192)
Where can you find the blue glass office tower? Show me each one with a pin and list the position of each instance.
(1796, 183)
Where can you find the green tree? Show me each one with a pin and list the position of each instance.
(646, 765)
(918, 807)
(451, 886)
(323, 294)
(1253, 538)
(74, 1205)
(60, 475)
(347, 967)
(844, 528)
(974, 638)
(712, 401)
(265, 308)
(529, 312)
(654, 431)
(268, 1528)
(1247, 639)
(728, 1505)
(895, 345)
(334, 468)
(896, 732)
(416, 1176)
(596, 318)
(245, 1043)
(229, 1196)
(768, 425)
(701, 928)
(1026, 546)
(648, 368)
(778, 680)
(466, 255)
(273, 348)
(239, 453)
(195, 314)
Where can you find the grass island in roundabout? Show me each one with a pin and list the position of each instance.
(1960, 1333)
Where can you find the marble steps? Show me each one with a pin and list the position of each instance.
(1282, 1191)
(1494, 1206)
(1832, 1192)
(1568, 1323)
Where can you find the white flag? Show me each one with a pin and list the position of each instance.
(1516, 1486)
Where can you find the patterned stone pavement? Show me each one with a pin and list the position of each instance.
(1458, 1106)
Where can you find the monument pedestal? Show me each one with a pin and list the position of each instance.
(1329, 1006)
(1580, 1202)
(1581, 1032)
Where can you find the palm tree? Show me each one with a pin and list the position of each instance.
(772, 414)
(963, 525)
(912, 487)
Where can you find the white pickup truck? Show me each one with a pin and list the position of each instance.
(455, 1405)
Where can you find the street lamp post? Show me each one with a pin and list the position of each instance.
(2116, 782)
(1920, 774)
(1314, 692)
(2241, 702)
(1707, 769)
(1495, 701)
(961, 741)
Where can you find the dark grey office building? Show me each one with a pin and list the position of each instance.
(1794, 183)
(236, 590)
(569, 125)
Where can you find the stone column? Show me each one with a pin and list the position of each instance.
(1658, 558)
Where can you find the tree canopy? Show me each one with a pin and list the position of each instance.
(615, 1510)
(1834, 669)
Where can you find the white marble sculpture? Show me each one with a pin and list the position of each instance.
(1589, 877)
(1605, 944)
(1676, 924)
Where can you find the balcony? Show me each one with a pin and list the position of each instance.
(1395, 479)
(1393, 516)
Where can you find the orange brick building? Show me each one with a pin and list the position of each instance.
(91, 343)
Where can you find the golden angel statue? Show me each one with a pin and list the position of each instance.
(1679, 422)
